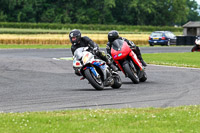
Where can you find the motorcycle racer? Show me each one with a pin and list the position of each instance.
(113, 35)
(78, 41)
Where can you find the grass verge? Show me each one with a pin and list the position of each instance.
(150, 120)
(190, 59)
(59, 31)
(66, 31)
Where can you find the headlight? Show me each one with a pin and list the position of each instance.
(77, 63)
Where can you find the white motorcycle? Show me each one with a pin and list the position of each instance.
(95, 70)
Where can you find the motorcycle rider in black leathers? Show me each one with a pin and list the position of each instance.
(112, 35)
(78, 41)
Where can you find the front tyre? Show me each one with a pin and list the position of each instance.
(117, 82)
(131, 73)
(94, 81)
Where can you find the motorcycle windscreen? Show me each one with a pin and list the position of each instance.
(78, 54)
(117, 44)
(120, 49)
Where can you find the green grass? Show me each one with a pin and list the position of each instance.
(190, 59)
(184, 119)
(64, 31)
(61, 31)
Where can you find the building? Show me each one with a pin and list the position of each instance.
(192, 28)
(190, 31)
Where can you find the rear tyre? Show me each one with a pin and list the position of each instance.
(94, 81)
(131, 73)
(144, 77)
(117, 82)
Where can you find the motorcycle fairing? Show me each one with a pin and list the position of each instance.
(119, 65)
(122, 52)
(136, 60)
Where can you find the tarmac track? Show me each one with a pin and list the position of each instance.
(31, 80)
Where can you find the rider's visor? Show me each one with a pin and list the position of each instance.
(73, 38)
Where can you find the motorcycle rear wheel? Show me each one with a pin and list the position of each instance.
(117, 82)
(131, 74)
(144, 77)
(94, 81)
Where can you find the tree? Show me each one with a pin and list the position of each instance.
(129, 12)
(194, 9)
(3, 17)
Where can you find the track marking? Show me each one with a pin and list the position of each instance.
(63, 58)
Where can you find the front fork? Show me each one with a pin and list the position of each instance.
(103, 68)
(93, 70)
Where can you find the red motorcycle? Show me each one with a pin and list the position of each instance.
(127, 61)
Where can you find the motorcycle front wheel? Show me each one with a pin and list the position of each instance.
(131, 73)
(94, 81)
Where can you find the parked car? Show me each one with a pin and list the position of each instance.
(162, 38)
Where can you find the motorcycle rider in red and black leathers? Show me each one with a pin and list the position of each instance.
(113, 35)
(78, 41)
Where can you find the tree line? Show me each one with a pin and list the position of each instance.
(120, 12)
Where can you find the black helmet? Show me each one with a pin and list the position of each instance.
(112, 35)
(77, 34)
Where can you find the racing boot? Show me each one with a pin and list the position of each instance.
(143, 63)
(141, 60)
(138, 53)
(113, 67)
(108, 61)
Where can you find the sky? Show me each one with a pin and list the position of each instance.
(198, 1)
